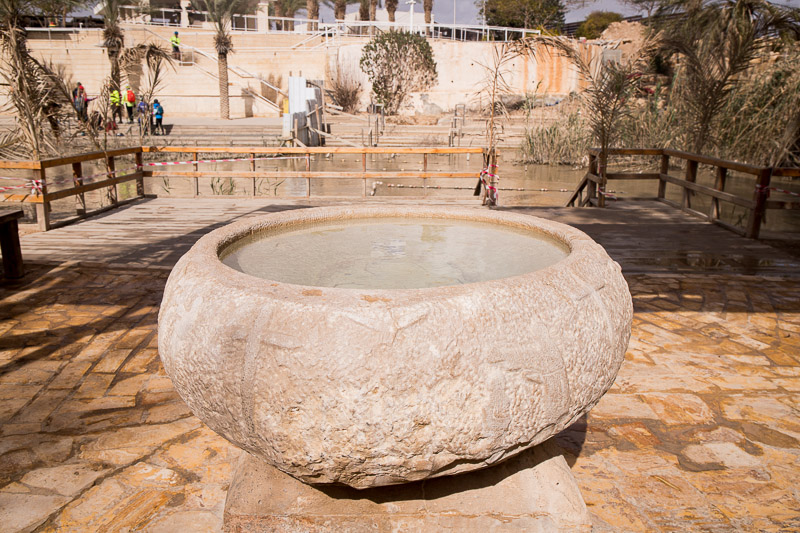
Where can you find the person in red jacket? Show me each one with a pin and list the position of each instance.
(130, 102)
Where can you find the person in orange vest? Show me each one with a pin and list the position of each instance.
(130, 102)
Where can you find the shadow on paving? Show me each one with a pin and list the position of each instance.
(700, 430)
(48, 291)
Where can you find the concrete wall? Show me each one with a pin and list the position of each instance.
(193, 91)
(462, 72)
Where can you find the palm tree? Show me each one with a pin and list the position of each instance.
(220, 13)
(278, 6)
(288, 9)
(428, 7)
(24, 86)
(312, 13)
(607, 96)
(113, 38)
(339, 9)
(373, 9)
(57, 10)
(391, 7)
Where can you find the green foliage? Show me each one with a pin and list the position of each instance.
(564, 141)
(113, 37)
(223, 186)
(716, 42)
(646, 7)
(760, 122)
(28, 89)
(57, 10)
(596, 23)
(398, 63)
(610, 86)
(654, 122)
(220, 13)
(547, 14)
(339, 7)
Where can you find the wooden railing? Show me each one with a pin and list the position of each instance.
(593, 188)
(35, 189)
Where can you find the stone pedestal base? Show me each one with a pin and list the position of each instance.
(532, 492)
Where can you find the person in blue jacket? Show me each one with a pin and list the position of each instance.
(158, 114)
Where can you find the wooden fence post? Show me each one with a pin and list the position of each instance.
(591, 192)
(691, 176)
(77, 178)
(112, 189)
(42, 209)
(722, 174)
(196, 165)
(601, 201)
(253, 169)
(663, 169)
(364, 170)
(140, 169)
(760, 196)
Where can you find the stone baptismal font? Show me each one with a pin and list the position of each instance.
(376, 362)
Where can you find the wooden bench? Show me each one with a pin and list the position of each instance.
(9, 242)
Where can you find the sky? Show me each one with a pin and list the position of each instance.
(467, 11)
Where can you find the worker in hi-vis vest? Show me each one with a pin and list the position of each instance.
(116, 107)
(176, 46)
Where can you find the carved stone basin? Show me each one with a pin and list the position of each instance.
(375, 386)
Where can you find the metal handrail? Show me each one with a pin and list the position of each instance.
(239, 71)
(231, 69)
(341, 27)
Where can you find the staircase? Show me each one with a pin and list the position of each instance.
(473, 133)
(232, 134)
(250, 86)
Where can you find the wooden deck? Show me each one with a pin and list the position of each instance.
(643, 237)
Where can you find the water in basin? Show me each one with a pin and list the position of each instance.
(393, 253)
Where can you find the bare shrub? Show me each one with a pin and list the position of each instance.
(654, 122)
(564, 141)
(346, 87)
(760, 123)
(716, 42)
(267, 89)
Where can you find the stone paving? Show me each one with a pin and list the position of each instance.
(700, 432)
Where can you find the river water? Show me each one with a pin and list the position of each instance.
(520, 184)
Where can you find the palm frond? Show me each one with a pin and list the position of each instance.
(716, 42)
